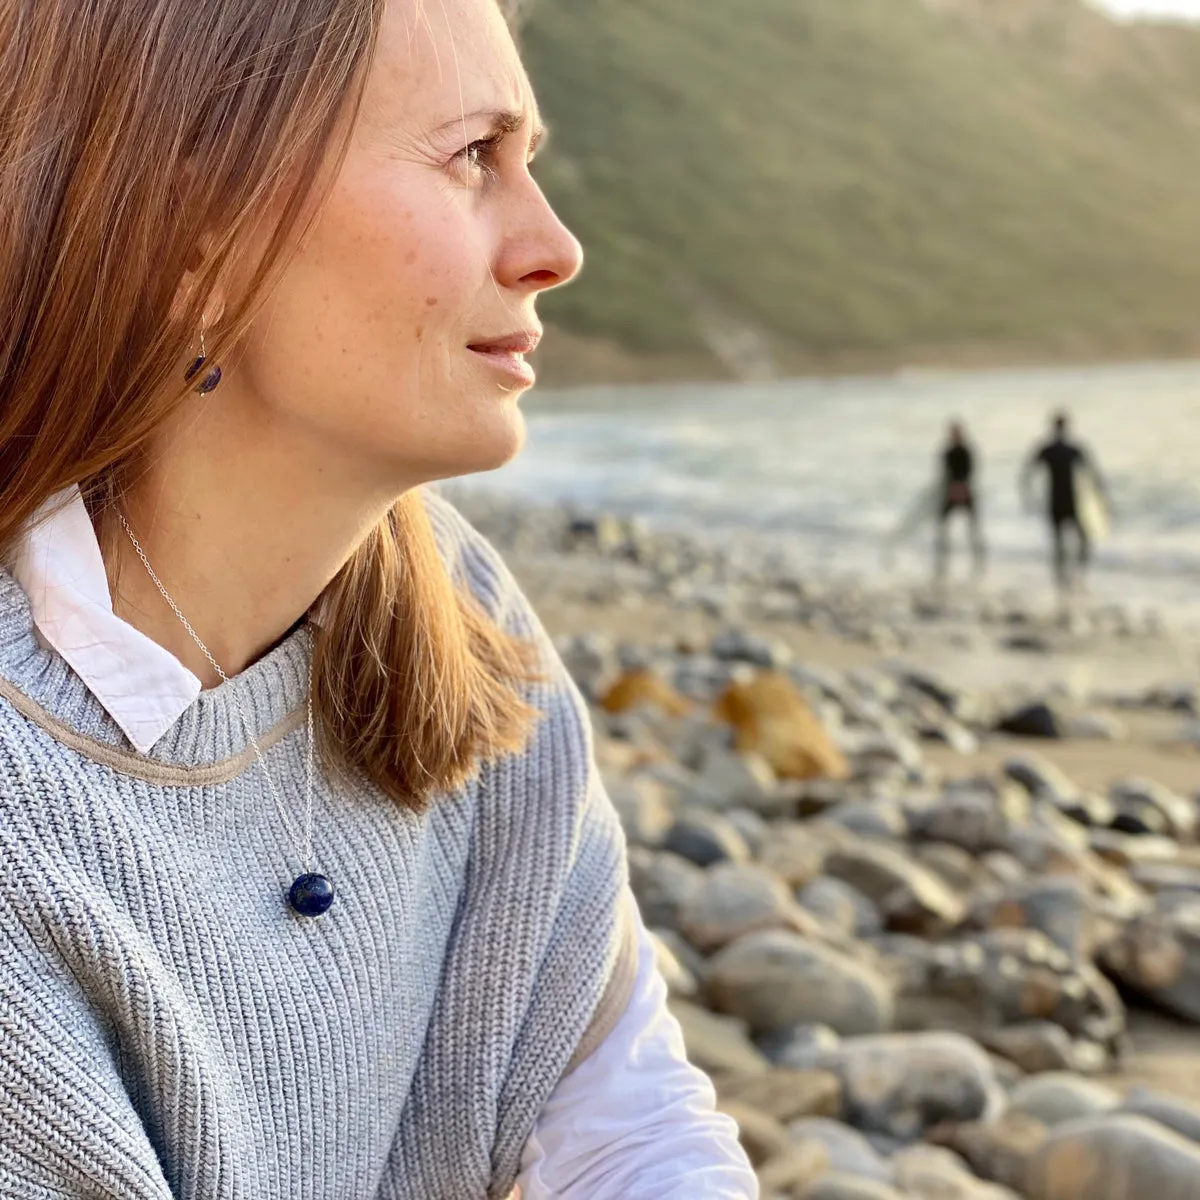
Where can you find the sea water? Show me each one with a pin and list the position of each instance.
(825, 468)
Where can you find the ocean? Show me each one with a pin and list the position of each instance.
(823, 469)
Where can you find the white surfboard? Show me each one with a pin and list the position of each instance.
(1091, 507)
(922, 511)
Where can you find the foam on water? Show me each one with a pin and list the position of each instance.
(826, 466)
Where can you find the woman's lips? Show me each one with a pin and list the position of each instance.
(507, 354)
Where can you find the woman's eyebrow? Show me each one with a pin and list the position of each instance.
(502, 121)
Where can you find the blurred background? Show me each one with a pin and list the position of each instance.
(882, 778)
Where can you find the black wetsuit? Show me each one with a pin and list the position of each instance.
(1063, 460)
(958, 495)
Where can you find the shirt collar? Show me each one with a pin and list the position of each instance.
(142, 686)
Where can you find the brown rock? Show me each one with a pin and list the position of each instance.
(999, 1150)
(762, 1137)
(793, 853)
(786, 1094)
(838, 1186)
(715, 1043)
(935, 1173)
(1114, 1158)
(771, 717)
(644, 689)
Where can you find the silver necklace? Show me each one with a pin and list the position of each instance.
(311, 893)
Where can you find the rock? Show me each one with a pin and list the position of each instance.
(1114, 1158)
(775, 979)
(662, 883)
(679, 980)
(794, 1171)
(1035, 1046)
(737, 899)
(771, 717)
(936, 1173)
(734, 779)
(643, 689)
(706, 838)
(591, 661)
(762, 1137)
(714, 1043)
(793, 853)
(1158, 955)
(841, 906)
(1000, 1150)
(1061, 908)
(645, 808)
(740, 645)
(911, 898)
(750, 825)
(1098, 727)
(800, 1047)
(1056, 1099)
(1156, 807)
(1158, 877)
(1126, 850)
(903, 1084)
(1039, 777)
(1032, 721)
(1183, 1116)
(975, 817)
(849, 1153)
(881, 819)
(838, 1186)
(950, 863)
(786, 1095)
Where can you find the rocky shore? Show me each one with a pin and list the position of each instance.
(911, 949)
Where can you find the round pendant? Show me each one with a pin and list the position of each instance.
(311, 895)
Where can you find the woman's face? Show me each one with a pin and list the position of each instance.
(396, 338)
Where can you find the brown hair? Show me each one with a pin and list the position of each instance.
(129, 131)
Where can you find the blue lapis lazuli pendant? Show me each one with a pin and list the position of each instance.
(211, 378)
(311, 895)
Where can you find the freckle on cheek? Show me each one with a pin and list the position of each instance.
(431, 301)
(410, 257)
(420, 332)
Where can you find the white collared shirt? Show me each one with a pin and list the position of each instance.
(635, 1120)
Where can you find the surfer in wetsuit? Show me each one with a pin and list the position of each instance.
(1065, 461)
(957, 496)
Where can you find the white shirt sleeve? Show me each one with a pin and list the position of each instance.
(636, 1119)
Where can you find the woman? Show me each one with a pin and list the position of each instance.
(308, 887)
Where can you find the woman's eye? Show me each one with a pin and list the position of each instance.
(480, 156)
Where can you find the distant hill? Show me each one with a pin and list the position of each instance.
(769, 185)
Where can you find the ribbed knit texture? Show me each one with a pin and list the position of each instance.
(169, 1028)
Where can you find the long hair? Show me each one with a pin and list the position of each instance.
(129, 131)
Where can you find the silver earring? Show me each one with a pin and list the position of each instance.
(211, 377)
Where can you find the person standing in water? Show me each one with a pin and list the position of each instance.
(1065, 462)
(957, 495)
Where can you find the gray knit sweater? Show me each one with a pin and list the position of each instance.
(169, 1028)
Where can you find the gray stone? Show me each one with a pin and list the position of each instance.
(849, 1152)
(1039, 777)
(706, 838)
(1057, 1098)
(1183, 1116)
(737, 899)
(662, 883)
(1115, 1157)
(938, 1173)
(999, 1151)
(881, 819)
(750, 825)
(800, 1047)
(952, 864)
(1035, 1046)
(1061, 908)
(1158, 955)
(841, 906)
(784, 1094)
(904, 1084)
(839, 1186)
(793, 852)
(734, 778)
(911, 898)
(1144, 796)
(776, 979)
(1037, 720)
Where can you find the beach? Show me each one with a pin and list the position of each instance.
(957, 952)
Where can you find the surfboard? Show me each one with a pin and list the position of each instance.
(1091, 507)
(921, 511)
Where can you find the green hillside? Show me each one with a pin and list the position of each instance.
(831, 180)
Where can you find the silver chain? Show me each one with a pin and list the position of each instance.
(307, 858)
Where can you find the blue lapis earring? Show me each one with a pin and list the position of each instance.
(211, 377)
